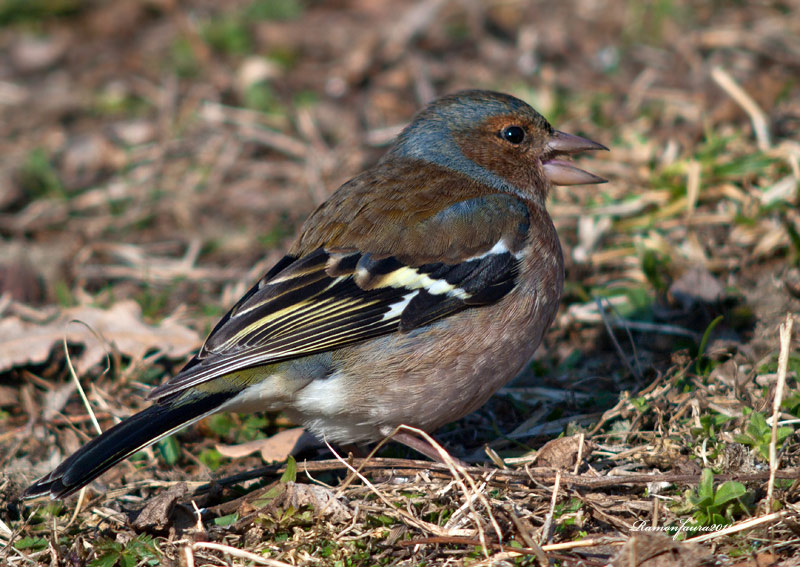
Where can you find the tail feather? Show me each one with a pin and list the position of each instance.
(122, 441)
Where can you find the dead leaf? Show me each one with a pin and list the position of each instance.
(759, 560)
(33, 53)
(696, 286)
(645, 549)
(273, 449)
(56, 399)
(561, 453)
(19, 279)
(86, 157)
(23, 342)
(322, 500)
(160, 512)
(9, 396)
(133, 132)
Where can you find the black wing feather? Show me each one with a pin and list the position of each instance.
(326, 301)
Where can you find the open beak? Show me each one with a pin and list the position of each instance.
(562, 172)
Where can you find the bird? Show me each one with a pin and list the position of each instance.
(412, 294)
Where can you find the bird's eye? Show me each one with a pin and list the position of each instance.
(513, 134)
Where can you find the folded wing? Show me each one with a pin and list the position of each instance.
(326, 300)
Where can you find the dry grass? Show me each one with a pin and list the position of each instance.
(166, 153)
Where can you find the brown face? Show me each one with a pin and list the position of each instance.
(524, 151)
(509, 146)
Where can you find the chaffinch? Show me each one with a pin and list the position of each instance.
(412, 294)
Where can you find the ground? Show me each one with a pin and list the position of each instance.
(158, 156)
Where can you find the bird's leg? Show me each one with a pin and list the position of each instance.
(353, 449)
(424, 447)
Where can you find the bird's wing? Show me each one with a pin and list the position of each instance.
(328, 299)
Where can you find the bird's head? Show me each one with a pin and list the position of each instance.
(496, 139)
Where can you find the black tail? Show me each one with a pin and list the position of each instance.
(122, 441)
